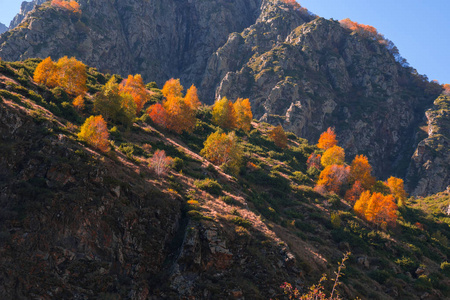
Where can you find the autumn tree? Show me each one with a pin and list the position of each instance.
(314, 161)
(158, 114)
(278, 136)
(223, 114)
(191, 98)
(160, 163)
(95, 132)
(333, 156)
(223, 149)
(71, 5)
(377, 208)
(353, 194)
(173, 88)
(362, 203)
(396, 186)
(44, 72)
(180, 115)
(67, 73)
(243, 114)
(114, 105)
(134, 86)
(78, 103)
(364, 30)
(333, 177)
(71, 75)
(327, 139)
(360, 170)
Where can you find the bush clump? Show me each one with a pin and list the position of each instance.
(209, 185)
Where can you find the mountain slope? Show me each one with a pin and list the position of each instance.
(76, 223)
(303, 72)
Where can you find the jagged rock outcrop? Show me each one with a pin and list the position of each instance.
(3, 28)
(429, 171)
(25, 8)
(320, 75)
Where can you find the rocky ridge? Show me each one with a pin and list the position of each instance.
(25, 8)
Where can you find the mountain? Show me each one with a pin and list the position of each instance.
(298, 70)
(78, 223)
(3, 28)
(25, 8)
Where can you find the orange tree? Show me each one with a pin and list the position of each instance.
(360, 170)
(134, 85)
(396, 186)
(278, 136)
(327, 139)
(95, 132)
(172, 87)
(191, 98)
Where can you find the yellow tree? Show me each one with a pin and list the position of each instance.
(223, 149)
(71, 75)
(360, 170)
(244, 115)
(327, 139)
(173, 88)
(278, 136)
(396, 186)
(362, 203)
(333, 156)
(223, 114)
(134, 85)
(95, 132)
(191, 98)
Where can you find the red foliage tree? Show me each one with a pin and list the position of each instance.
(314, 161)
(333, 177)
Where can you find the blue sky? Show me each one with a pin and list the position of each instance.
(419, 28)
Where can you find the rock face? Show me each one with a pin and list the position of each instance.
(25, 8)
(429, 171)
(3, 28)
(318, 75)
(300, 71)
(160, 39)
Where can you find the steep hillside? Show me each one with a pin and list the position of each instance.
(78, 223)
(300, 71)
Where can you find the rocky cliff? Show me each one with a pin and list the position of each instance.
(25, 8)
(3, 28)
(429, 171)
(300, 71)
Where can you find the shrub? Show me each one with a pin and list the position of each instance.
(241, 222)
(423, 283)
(445, 267)
(336, 221)
(209, 185)
(178, 164)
